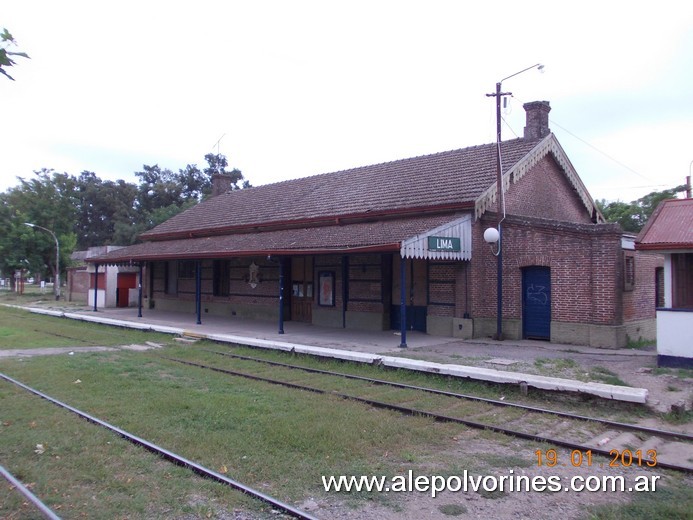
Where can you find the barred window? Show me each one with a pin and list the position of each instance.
(222, 277)
(186, 269)
(628, 273)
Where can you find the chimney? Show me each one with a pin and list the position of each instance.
(220, 183)
(537, 119)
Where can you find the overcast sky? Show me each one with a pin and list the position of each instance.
(298, 88)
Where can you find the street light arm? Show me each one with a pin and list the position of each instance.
(41, 227)
(536, 65)
(56, 283)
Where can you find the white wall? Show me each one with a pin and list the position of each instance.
(100, 298)
(675, 333)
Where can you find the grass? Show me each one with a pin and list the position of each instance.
(639, 344)
(604, 375)
(452, 509)
(276, 440)
(554, 366)
(20, 329)
(673, 503)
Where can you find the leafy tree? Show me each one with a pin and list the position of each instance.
(106, 210)
(217, 163)
(633, 216)
(47, 201)
(7, 41)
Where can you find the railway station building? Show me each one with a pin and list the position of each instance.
(400, 245)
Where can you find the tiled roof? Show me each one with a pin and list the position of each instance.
(381, 235)
(669, 227)
(452, 180)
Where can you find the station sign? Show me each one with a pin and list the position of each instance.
(446, 244)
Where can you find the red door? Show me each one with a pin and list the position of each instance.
(126, 281)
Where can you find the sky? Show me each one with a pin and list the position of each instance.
(287, 89)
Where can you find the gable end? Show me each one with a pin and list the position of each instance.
(548, 145)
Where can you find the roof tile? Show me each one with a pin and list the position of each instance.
(669, 227)
(442, 179)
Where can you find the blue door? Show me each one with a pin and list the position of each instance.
(536, 302)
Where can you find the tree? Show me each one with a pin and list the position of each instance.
(7, 41)
(217, 163)
(633, 216)
(105, 211)
(47, 200)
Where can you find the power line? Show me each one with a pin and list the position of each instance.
(621, 164)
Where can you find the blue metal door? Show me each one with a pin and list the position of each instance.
(536, 302)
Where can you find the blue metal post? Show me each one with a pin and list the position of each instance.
(281, 296)
(198, 290)
(139, 293)
(403, 301)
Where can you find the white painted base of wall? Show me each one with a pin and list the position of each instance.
(675, 333)
(100, 298)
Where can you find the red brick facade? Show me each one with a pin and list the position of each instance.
(352, 230)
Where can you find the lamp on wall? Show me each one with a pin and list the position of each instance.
(491, 237)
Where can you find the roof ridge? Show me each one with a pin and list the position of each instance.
(394, 161)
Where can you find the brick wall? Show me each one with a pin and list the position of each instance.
(366, 283)
(639, 301)
(584, 260)
(545, 192)
(77, 284)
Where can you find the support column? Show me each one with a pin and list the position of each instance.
(281, 296)
(403, 301)
(96, 285)
(345, 288)
(139, 293)
(198, 291)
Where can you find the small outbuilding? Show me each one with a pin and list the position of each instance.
(116, 285)
(669, 231)
(400, 245)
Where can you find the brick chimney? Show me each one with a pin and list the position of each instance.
(537, 119)
(220, 183)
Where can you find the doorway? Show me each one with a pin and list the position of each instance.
(416, 290)
(536, 303)
(126, 281)
(302, 289)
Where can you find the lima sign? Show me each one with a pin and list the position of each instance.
(446, 244)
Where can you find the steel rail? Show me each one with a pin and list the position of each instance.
(432, 415)
(606, 422)
(169, 455)
(47, 512)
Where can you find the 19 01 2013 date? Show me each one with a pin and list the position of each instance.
(579, 458)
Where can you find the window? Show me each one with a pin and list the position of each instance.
(171, 277)
(222, 278)
(628, 272)
(186, 269)
(682, 280)
(659, 287)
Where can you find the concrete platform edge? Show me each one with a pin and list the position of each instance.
(614, 392)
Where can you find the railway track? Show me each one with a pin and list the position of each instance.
(622, 444)
(166, 455)
(21, 488)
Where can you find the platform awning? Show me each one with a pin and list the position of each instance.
(383, 236)
(450, 241)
